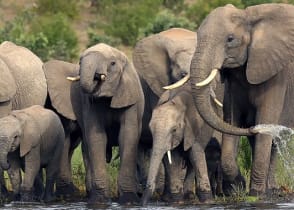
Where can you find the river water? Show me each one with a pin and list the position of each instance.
(151, 206)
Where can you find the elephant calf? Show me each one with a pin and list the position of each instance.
(175, 123)
(31, 139)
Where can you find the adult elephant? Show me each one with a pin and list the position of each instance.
(108, 104)
(254, 51)
(176, 126)
(22, 81)
(161, 59)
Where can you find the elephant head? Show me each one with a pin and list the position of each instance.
(259, 38)
(17, 130)
(107, 72)
(171, 125)
(164, 58)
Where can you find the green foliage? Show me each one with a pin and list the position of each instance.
(49, 7)
(126, 19)
(62, 40)
(165, 20)
(244, 158)
(199, 10)
(47, 36)
(95, 38)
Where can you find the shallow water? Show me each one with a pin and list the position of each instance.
(152, 206)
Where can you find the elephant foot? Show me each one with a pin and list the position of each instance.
(173, 197)
(189, 195)
(66, 190)
(204, 196)
(49, 198)
(129, 198)
(98, 199)
(27, 196)
(233, 188)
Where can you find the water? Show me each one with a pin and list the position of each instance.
(283, 140)
(152, 206)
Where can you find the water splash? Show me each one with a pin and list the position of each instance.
(283, 141)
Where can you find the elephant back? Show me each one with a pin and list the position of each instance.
(62, 92)
(26, 69)
(7, 83)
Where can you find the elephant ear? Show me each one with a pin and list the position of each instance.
(7, 83)
(164, 97)
(189, 137)
(31, 136)
(152, 63)
(59, 87)
(272, 45)
(129, 90)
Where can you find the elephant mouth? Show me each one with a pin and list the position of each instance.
(99, 79)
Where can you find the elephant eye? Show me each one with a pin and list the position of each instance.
(112, 63)
(230, 38)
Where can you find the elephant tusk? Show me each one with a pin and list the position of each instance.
(218, 102)
(77, 78)
(169, 157)
(208, 79)
(102, 77)
(178, 83)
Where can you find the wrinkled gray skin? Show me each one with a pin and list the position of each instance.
(31, 138)
(110, 114)
(20, 73)
(160, 60)
(253, 48)
(176, 125)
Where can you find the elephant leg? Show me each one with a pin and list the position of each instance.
(64, 185)
(268, 112)
(143, 161)
(88, 181)
(128, 144)
(14, 173)
(32, 167)
(39, 186)
(189, 183)
(233, 181)
(271, 181)
(64, 181)
(96, 146)
(198, 160)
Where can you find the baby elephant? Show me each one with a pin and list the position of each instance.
(31, 139)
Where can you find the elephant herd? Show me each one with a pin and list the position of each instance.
(179, 142)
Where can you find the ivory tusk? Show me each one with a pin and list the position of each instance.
(169, 157)
(218, 102)
(178, 83)
(77, 78)
(102, 77)
(208, 79)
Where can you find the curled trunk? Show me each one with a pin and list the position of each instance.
(205, 59)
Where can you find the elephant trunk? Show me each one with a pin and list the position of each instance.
(156, 159)
(3, 155)
(206, 58)
(87, 81)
